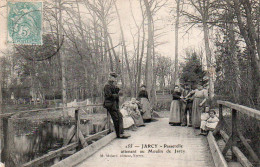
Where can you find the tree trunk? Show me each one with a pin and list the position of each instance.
(233, 52)
(142, 51)
(62, 60)
(249, 35)
(209, 59)
(125, 52)
(1, 82)
(176, 71)
(1, 111)
(255, 42)
(117, 63)
(149, 68)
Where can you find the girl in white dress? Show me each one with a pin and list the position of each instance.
(204, 117)
(212, 122)
(127, 119)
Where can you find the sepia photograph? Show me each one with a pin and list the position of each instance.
(129, 83)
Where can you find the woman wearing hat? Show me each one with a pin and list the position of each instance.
(146, 108)
(199, 101)
(175, 111)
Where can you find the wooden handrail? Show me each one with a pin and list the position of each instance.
(60, 151)
(66, 147)
(231, 141)
(80, 140)
(44, 109)
(243, 109)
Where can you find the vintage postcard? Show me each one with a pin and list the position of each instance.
(129, 83)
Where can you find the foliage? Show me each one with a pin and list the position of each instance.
(163, 70)
(192, 71)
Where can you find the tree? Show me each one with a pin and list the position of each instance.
(1, 82)
(204, 14)
(125, 51)
(149, 69)
(238, 22)
(192, 72)
(163, 70)
(247, 29)
(176, 71)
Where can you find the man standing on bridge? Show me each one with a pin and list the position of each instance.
(111, 103)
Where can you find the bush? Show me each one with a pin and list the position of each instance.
(161, 105)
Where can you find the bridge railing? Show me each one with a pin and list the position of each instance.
(68, 145)
(236, 135)
(163, 92)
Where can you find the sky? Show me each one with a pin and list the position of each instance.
(192, 40)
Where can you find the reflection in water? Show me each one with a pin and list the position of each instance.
(27, 140)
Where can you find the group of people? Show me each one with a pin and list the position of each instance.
(135, 113)
(131, 114)
(194, 105)
(188, 108)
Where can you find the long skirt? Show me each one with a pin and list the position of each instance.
(175, 112)
(128, 121)
(203, 125)
(146, 108)
(196, 112)
(137, 119)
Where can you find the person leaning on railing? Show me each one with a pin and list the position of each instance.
(111, 103)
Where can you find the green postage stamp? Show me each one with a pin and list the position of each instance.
(25, 23)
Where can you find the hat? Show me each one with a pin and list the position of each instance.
(113, 74)
(143, 86)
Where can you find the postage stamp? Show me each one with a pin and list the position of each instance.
(25, 23)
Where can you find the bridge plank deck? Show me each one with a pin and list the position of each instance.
(196, 148)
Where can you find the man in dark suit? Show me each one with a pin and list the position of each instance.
(111, 103)
(186, 105)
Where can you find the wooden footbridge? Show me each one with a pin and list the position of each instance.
(159, 144)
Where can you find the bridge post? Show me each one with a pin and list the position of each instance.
(77, 124)
(221, 120)
(234, 131)
(220, 112)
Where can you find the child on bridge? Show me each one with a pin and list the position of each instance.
(212, 122)
(204, 117)
(128, 122)
(209, 121)
(135, 113)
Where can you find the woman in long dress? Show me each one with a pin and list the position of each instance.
(199, 98)
(135, 113)
(175, 111)
(146, 108)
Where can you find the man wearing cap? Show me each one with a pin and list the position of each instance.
(111, 103)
